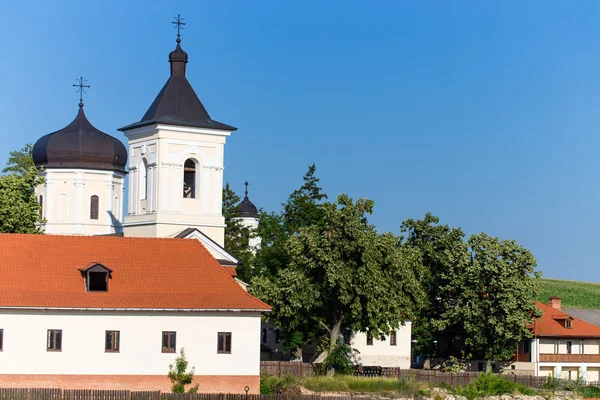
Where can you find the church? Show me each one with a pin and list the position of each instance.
(109, 295)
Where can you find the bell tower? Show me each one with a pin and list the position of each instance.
(176, 156)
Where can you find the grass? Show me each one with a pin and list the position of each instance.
(339, 383)
(574, 294)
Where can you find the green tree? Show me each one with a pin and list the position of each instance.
(19, 208)
(302, 209)
(19, 161)
(343, 275)
(493, 297)
(442, 249)
(237, 236)
(180, 376)
(480, 293)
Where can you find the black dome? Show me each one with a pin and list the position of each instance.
(247, 209)
(80, 145)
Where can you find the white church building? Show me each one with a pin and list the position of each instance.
(106, 300)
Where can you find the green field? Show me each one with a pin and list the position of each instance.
(574, 294)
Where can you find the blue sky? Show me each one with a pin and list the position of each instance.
(484, 113)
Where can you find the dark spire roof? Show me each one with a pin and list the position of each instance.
(246, 208)
(80, 145)
(177, 103)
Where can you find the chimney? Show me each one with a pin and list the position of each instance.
(554, 302)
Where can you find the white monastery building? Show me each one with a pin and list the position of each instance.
(105, 300)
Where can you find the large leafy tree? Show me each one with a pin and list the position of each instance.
(343, 275)
(480, 293)
(493, 297)
(237, 236)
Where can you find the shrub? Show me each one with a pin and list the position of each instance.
(272, 385)
(179, 375)
(339, 359)
(492, 385)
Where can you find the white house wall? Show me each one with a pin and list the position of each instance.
(382, 353)
(140, 343)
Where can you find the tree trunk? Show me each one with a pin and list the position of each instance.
(334, 335)
(488, 366)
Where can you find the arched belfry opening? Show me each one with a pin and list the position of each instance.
(190, 179)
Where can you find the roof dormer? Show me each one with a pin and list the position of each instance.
(96, 277)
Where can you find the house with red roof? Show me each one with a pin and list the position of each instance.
(562, 346)
(102, 312)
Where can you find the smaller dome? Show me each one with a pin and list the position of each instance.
(246, 209)
(80, 145)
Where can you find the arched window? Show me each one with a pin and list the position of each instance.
(189, 179)
(94, 205)
(41, 201)
(143, 179)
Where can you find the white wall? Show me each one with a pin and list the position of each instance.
(166, 212)
(382, 353)
(66, 201)
(25, 332)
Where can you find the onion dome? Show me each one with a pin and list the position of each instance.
(246, 209)
(80, 145)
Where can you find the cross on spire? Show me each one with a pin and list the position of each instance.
(179, 22)
(81, 85)
(246, 183)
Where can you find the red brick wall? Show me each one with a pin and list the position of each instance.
(207, 383)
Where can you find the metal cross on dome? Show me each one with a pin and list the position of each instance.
(179, 22)
(81, 85)
(246, 183)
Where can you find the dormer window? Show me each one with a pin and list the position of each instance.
(568, 323)
(96, 277)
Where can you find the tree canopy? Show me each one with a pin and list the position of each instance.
(19, 161)
(480, 292)
(20, 211)
(342, 275)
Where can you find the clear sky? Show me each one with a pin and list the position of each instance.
(484, 113)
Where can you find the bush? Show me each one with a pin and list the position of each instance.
(492, 385)
(272, 385)
(339, 359)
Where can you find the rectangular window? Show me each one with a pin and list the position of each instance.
(569, 347)
(54, 342)
(224, 342)
(568, 323)
(111, 343)
(277, 336)
(369, 339)
(168, 342)
(392, 338)
(1, 339)
(263, 336)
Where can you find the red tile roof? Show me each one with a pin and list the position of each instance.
(551, 324)
(148, 273)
